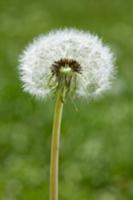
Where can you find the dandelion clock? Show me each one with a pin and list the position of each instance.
(65, 63)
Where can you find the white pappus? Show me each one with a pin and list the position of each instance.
(83, 52)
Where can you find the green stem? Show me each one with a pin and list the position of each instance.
(54, 164)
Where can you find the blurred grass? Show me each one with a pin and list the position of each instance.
(97, 141)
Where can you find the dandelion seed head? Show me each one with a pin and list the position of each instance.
(67, 50)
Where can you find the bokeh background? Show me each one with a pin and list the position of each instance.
(96, 153)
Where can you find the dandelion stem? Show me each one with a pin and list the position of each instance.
(54, 164)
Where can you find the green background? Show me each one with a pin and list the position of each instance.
(96, 153)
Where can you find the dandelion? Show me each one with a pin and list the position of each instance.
(65, 63)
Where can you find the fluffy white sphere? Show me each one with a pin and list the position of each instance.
(95, 59)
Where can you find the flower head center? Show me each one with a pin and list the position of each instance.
(65, 66)
(63, 77)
